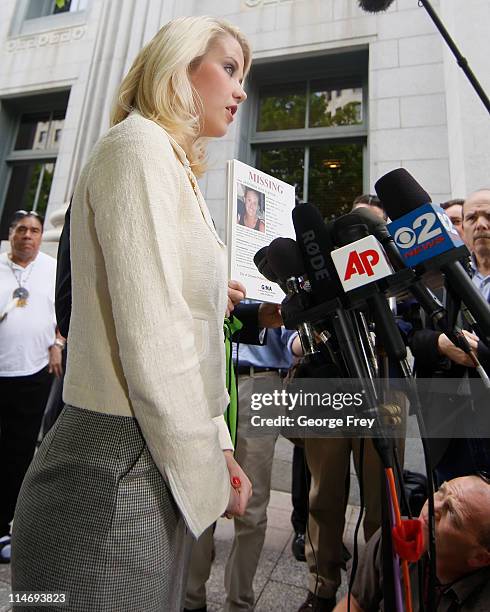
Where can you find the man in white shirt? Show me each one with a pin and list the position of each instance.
(30, 353)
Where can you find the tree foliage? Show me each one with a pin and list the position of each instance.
(288, 112)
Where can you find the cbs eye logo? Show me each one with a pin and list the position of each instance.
(405, 237)
(422, 230)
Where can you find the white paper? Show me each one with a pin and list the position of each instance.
(259, 210)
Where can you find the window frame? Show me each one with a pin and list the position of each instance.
(307, 69)
(311, 133)
(14, 155)
(20, 26)
(12, 109)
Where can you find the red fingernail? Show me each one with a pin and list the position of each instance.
(236, 482)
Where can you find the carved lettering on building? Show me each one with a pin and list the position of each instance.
(257, 3)
(46, 39)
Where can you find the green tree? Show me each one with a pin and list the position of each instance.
(282, 112)
(320, 116)
(333, 186)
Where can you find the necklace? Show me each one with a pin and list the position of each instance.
(21, 293)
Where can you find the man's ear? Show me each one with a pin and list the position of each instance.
(480, 558)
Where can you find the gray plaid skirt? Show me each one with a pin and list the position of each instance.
(96, 520)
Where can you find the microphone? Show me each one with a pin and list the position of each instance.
(377, 227)
(421, 230)
(287, 264)
(261, 262)
(428, 301)
(425, 235)
(285, 259)
(374, 6)
(360, 263)
(260, 257)
(360, 260)
(315, 244)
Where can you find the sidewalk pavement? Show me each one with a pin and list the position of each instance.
(280, 582)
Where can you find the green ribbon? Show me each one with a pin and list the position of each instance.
(230, 327)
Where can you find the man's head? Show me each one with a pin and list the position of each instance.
(25, 235)
(454, 210)
(372, 202)
(476, 223)
(462, 510)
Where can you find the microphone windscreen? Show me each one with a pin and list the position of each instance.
(315, 243)
(374, 6)
(371, 219)
(260, 257)
(400, 193)
(349, 228)
(261, 262)
(285, 258)
(375, 224)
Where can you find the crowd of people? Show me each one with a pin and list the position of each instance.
(117, 507)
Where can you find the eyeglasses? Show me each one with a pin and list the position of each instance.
(27, 213)
(20, 214)
(484, 475)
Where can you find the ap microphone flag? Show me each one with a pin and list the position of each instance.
(361, 263)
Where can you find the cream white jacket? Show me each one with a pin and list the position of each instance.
(149, 297)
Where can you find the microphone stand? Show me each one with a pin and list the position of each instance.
(359, 368)
(462, 61)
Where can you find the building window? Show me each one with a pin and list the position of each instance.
(40, 131)
(30, 184)
(309, 104)
(29, 166)
(44, 8)
(311, 131)
(327, 174)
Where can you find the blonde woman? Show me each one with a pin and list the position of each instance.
(141, 452)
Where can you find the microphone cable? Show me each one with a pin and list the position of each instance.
(406, 501)
(355, 551)
(308, 534)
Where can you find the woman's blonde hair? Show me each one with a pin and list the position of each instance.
(158, 83)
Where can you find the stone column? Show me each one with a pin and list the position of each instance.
(122, 28)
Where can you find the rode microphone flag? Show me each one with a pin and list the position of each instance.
(316, 245)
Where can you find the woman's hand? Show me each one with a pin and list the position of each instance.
(236, 293)
(239, 495)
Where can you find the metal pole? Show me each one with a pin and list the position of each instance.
(462, 61)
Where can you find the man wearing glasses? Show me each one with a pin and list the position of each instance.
(30, 353)
(462, 535)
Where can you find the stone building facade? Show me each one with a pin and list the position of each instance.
(413, 106)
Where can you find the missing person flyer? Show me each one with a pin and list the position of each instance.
(258, 211)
